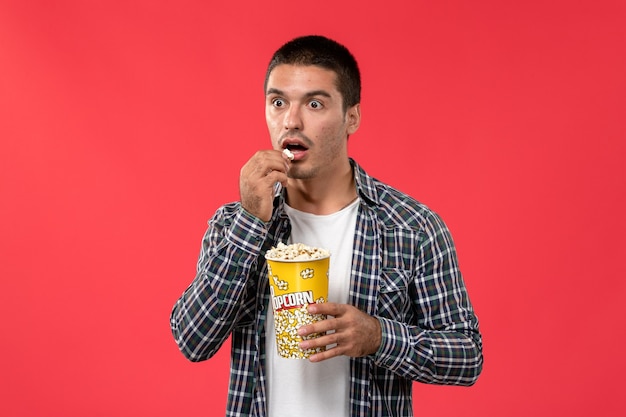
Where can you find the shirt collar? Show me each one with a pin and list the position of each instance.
(365, 184)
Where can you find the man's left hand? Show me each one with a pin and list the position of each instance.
(355, 332)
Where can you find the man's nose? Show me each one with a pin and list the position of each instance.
(293, 119)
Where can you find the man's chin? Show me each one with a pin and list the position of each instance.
(298, 174)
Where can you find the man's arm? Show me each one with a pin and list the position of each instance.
(446, 345)
(430, 356)
(222, 295)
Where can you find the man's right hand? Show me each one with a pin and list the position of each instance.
(256, 182)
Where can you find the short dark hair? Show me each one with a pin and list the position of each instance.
(325, 53)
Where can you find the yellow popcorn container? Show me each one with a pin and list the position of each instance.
(294, 284)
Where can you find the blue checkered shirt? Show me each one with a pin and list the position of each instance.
(404, 272)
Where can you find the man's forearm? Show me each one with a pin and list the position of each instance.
(435, 357)
(206, 313)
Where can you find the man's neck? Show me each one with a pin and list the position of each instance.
(323, 196)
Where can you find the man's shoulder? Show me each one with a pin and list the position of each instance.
(393, 206)
(399, 204)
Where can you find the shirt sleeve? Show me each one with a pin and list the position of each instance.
(445, 346)
(222, 294)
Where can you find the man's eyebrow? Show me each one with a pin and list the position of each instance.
(323, 93)
(274, 91)
(313, 93)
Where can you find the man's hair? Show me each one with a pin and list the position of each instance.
(325, 53)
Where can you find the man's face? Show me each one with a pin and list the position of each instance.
(304, 113)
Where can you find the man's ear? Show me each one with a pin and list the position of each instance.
(353, 116)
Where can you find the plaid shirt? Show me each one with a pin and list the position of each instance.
(404, 272)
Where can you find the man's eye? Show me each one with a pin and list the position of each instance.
(314, 104)
(278, 102)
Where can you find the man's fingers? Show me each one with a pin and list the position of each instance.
(319, 327)
(330, 309)
(321, 341)
(256, 182)
(327, 354)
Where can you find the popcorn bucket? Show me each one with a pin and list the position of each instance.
(294, 284)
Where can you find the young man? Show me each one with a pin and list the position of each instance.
(398, 311)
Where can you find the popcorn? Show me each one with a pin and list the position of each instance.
(286, 325)
(298, 277)
(288, 154)
(296, 252)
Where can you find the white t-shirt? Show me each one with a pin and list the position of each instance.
(298, 386)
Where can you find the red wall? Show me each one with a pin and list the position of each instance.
(123, 126)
